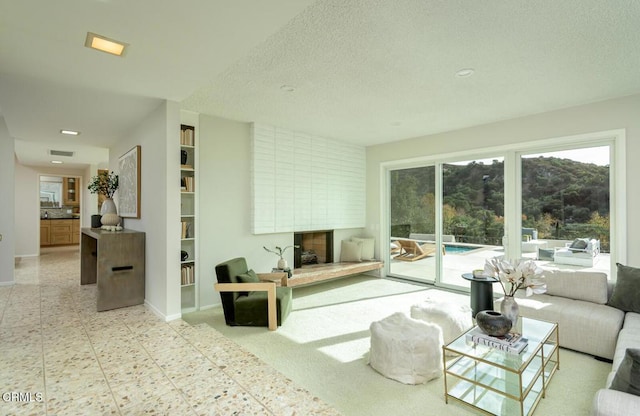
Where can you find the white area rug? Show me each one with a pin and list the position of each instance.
(324, 343)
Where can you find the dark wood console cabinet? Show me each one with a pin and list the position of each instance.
(115, 261)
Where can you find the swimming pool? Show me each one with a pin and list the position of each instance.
(454, 249)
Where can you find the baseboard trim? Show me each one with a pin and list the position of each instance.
(156, 311)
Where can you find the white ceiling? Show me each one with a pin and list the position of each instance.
(364, 71)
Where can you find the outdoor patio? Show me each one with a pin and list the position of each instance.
(457, 263)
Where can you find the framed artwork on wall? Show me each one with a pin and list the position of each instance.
(129, 179)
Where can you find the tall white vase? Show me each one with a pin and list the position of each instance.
(109, 213)
(509, 308)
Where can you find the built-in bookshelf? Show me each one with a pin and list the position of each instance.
(188, 216)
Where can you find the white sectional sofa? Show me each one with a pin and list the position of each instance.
(608, 402)
(577, 301)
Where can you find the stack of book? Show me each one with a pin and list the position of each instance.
(512, 342)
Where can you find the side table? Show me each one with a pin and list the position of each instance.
(114, 260)
(481, 293)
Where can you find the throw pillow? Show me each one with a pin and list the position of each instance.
(367, 247)
(626, 292)
(627, 378)
(350, 251)
(579, 244)
(248, 277)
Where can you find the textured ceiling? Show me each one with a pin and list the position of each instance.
(50, 81)
(364, 71)
(372, 71)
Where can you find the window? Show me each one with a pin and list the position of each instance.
(566, 198)
(447, 214)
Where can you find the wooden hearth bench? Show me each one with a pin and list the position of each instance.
(320, 272)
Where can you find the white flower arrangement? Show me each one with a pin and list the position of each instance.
(516, 274)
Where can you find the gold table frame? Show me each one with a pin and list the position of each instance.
(497, 382)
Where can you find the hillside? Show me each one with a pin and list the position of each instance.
(562, 198)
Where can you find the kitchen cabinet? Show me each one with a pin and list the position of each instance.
(55, 232)
(70, 191)
(45, 232)
(75, 231)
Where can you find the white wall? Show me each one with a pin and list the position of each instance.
(622, 113)
(7, 207)
(157, 136)
(27, 217)
(27, 204)
(89, 204)
(225, 206)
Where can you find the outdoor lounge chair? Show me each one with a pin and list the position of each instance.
(580, 252)
(410, 250)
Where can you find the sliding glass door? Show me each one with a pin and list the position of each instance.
(472, 216)
(412, 208)
(548, 203)
(566, 208)
(447, 217)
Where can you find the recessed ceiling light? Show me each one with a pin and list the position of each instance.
(70, 132)
(57, 162)
(105, 44)
(465, 72)
(287, 88)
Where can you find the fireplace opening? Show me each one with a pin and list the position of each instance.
(314, 247)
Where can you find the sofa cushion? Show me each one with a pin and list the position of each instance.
(252, 310)
(248, 277)
(614, 403)
(587, 286)
(632, 323)
(626, 293)
(351, 251)
(628, 337)
(368, 247)
(627, 377)
(572, 316)
(579, 243)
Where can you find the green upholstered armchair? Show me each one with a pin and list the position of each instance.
(250, 299)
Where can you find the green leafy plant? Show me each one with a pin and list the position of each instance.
(104, 183)
(279, 251)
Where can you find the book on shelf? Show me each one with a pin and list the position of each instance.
(186, 184)
(186, 166)
(187, 276)
(185, 229)
(512, 342)
(186, 137)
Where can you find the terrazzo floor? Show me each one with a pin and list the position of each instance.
(58, 356)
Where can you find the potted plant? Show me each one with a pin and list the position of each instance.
(105, 183)
(279, 251)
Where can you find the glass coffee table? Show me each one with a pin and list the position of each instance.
(498, 382)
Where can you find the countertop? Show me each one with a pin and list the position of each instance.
(61, 218)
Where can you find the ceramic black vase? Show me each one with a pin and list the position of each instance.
(493, 323)
(183, 157)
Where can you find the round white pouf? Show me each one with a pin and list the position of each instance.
(452, 318)
(406, 349)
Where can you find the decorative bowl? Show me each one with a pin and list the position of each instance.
(493, 323)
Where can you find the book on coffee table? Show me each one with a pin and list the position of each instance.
(512, 342)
